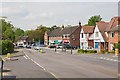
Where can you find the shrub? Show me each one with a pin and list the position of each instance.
(91, 51)
(80, 51)
(7, 46)
(104, 51)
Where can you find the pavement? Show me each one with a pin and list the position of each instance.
(60, 64)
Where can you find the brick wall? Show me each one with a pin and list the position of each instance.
(112, 40)
(76, 40)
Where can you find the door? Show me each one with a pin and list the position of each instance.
(97, 44)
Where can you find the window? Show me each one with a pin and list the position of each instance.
(65, 36)
(81, 35)
(112, 34)
(86, 35)
(96, 35)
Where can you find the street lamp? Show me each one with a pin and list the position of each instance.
(1, 68)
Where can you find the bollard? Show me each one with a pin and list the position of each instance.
(8, 55)
(116, 52)
(41, 50)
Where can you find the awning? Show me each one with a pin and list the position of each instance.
(57, 41)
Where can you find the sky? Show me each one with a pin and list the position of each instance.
(29, 15)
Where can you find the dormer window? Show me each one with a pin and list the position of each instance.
(112, 34)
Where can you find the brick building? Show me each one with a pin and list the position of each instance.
(70, 35)
(113, 32)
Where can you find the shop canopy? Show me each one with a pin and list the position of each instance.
(57, 41)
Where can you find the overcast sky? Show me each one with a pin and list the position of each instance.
(28, 15)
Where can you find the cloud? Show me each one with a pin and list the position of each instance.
(18, 11)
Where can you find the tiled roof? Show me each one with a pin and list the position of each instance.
(61, 31)
(113, 23)
(88, 29)
(102, 28)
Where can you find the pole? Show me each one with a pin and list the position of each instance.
(55, 49)
(71, 49)
(1, 69)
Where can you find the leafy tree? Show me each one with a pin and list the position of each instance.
(9, 35)
(117, 45)
(7, 30)
(18, 33)
(92, 21)
(37, 34)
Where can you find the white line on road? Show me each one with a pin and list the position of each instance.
(25, 57)
(41, 66)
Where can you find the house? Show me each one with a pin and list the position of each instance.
(69, 35)
(113, 32)
(101, 36)
(22, 42)
(85, 33)
(46, 38)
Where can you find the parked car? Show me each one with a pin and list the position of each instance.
(28, 46)
(89, 48)
(52, 46)
(37, 47)
(59, 46)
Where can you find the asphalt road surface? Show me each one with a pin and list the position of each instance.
(53, 64)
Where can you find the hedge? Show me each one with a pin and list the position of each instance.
(86, 51)
(7, 47)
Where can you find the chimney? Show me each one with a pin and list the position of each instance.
(79, 23)
(62, 27)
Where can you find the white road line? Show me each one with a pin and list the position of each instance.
(41, 67)
(53, 75)
(25, 57)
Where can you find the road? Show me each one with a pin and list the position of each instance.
(61, 65)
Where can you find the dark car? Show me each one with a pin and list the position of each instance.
(28, 46)
(68, 46)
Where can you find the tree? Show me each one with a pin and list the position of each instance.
(9, 35)
(92, 21)
(37, 34)
(7, 30)
(117, 46)
(18, 33)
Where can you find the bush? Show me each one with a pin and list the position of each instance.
(7, 46)
(86, 51)
(104, 51)
(91, 51)
(80, 51)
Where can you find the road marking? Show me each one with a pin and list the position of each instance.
(25, 57)
(41, 67)
(54, 75)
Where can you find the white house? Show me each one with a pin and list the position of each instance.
(100, 36)
(86, 32)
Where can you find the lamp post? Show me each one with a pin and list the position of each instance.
(1, 68)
